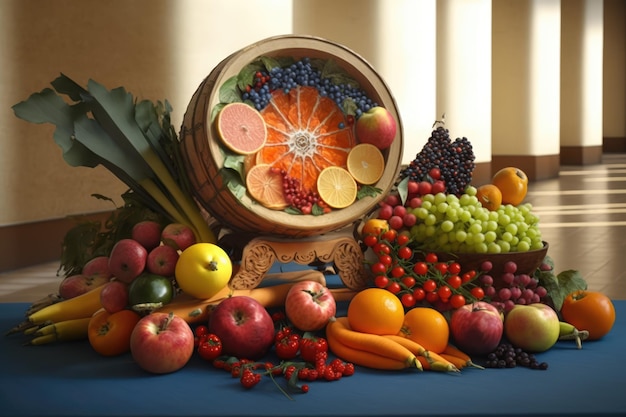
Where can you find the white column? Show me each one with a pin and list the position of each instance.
(526, 77)
(407, 52)
(464, 71)
(581, 73)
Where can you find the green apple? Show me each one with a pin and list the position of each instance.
(533, 327)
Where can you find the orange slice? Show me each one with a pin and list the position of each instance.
(306, 133)
(336, 187)
(241, 128)
(366, 163)
(265, 185)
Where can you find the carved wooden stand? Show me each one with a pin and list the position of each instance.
(340, 248)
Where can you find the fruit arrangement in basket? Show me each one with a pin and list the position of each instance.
(302, 134)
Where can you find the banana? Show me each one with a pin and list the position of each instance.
(568, 331)
(340, 331)
(73, 308)
(73, 329)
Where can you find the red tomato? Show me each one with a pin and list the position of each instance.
(589, 310)
(109, 333)
(210, 347)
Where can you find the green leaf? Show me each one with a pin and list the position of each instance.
(403, 189)
(337, 75)
(368, 191)
(349, 106)
(317, 210)
(229, 93)
(216, 109)
(235, 163)
(246, 74)
(561, 285)
(47, 107)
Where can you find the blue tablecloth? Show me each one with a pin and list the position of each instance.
(70, 379)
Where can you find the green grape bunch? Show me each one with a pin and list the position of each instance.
(447, 223)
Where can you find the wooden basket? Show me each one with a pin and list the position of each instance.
(204, 159)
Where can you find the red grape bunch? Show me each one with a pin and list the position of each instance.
(512, 288)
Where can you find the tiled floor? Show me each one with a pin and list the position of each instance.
(582, 216)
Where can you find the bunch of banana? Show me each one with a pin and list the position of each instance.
(55, 320)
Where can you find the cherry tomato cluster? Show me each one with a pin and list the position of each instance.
(208, 345)
(303, 358)
(418, 278)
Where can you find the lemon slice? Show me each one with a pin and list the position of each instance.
(336, 187)
(366, 163)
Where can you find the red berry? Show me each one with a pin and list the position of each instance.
(434, 173)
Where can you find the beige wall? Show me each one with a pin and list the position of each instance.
(157, 49)
(161, 49)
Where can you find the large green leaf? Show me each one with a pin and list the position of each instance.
(47, 107)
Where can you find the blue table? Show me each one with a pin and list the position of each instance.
(70, 379)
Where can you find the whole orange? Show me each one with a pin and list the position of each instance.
(589, 310)
(489, 196)
(513, 184)
(375, 311)
(374, 227)
(109, 333)
(428, 327)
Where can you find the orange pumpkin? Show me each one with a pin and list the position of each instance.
(513, 184)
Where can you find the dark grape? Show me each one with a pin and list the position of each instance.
(507, 356)
(455, 160)
(303, 73)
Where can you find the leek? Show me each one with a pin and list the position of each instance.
(134, 141)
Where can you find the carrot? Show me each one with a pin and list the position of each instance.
(373, 343)
(454, 360)
(361, 357)
(437, 362)
(452, 350)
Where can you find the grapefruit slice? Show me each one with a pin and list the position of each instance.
(366, 163)
(337, 187)
(265, 185)
(241, 128)
(306, 132)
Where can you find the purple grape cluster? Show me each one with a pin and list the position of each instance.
(507, 356)
(304, 73)
(514, 289)
(455, 160)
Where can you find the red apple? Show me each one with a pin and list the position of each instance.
(162, 343)
(97, 266)
(244, 326)
(147, 233)
(162, 260)
(78, 284)
(178, 235)
(533, 327)
(309, 305)
(127, 260)
(114, 296)
(477, 328)
(376, 126)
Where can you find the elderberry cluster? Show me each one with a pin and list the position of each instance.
(507, 356)
(303, 73)
(455, 160)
